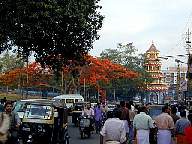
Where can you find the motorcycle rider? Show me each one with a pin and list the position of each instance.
(89, 112)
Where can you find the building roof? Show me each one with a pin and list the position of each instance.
(152, 48)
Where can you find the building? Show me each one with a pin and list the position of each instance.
(156, 90)
(170, 77)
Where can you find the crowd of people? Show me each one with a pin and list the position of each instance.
(126, 124)
(133, 125)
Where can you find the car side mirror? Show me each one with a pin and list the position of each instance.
(56, 114)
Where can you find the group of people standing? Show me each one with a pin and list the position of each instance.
(135, 126)
(9, 124)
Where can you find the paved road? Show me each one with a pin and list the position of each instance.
(75, 136)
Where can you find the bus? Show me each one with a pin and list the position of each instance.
(69, 99)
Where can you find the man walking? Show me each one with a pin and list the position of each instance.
(142, 124)
(113, 131)
(98, 117)
(4, 127)
(14, 123)
(165, 126)
(180, 126)
(125, 116)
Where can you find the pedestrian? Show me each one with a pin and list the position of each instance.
(131, 117)
(125, 116)
(142, 124)
(173, 113)
(165, 125)
(188, 130)
(98, 117)
(4, 127)
(148, 107)
(132, 105)
(180, 126)
(113, 131)
(14, 123)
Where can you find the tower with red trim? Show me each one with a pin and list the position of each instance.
(157, 87)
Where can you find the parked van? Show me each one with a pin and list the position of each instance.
(69, 99)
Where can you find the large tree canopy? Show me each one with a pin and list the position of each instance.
(59, 32)
(126, 55)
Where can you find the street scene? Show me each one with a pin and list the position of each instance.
(95, 72)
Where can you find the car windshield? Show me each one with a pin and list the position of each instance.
(38, 112)
(19, 106)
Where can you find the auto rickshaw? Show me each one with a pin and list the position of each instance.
(44, 121)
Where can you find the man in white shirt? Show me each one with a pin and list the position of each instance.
(113, 130)
(88, 111)
(142, 124)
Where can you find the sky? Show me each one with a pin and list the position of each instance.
(165, 22)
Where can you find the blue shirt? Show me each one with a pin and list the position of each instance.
(181, 124)
(98, 114)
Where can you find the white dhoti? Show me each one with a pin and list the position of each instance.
(164, 137)
(112, 142)
(126, 126)
(142, 136)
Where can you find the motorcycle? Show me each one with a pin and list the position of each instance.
(85, 126)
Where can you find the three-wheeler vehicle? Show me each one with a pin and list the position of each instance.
(44, 121)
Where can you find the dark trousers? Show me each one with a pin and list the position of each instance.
(13, 138)
(98, 125)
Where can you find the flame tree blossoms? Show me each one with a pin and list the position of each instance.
(95, 73)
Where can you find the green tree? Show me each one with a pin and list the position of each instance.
(59, 32)
(9, 62)
(127, 55)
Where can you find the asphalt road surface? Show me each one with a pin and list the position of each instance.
(75, 136)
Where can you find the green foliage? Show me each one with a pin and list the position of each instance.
(127, 56)
(9, 62)
(59, 32)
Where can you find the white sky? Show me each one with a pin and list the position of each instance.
(142, 21)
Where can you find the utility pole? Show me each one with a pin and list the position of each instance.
(189, 64)
(178, 81)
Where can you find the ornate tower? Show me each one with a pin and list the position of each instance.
(157, 88)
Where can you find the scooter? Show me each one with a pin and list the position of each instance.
(85, 126)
